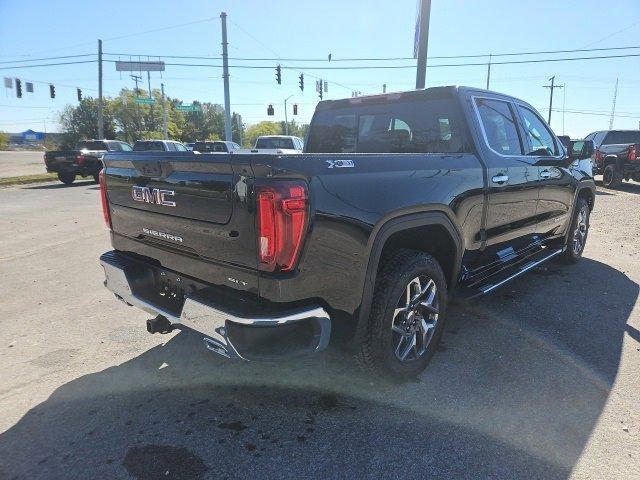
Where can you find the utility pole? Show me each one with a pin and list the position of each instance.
(100, 122)
(225, 76)
(423, 42)
(136, 78)
(384, 88)
(286, 122)
(488, 71)
(149, 82)
(239, 119)
(164, 114)
(613, 107)
(552, 86)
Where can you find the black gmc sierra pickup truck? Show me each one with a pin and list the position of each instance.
(399, 202)
(616, 156)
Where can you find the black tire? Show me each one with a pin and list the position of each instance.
(66, 177)
(378, 351)
(612, 176)
(573, 252)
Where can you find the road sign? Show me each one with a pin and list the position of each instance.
(145, 101)
(139, 66)
(189, 108)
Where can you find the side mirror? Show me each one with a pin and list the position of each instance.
(580, 149)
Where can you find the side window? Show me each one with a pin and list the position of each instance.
(125, 147)
(541, 140)
(591, 136)
(179, 147)
(499, 126)
(170, 147)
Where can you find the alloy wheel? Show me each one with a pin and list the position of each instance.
(415, 318)
(580, 233)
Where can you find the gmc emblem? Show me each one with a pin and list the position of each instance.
(153, 195)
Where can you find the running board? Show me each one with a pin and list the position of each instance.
(502, 277)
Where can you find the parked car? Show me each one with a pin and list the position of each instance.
(399, 203)
(276, 144)
(84, 161)
(217, 146)
(158, 146)
(616, 156)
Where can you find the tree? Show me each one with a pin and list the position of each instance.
(81, 121)
(259, 129)
(4, 140)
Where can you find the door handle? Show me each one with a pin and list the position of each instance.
(500, 178)
(545, 174)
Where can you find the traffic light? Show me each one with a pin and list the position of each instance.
(295, 108)
(319, 88)
(79, 94)
(279, 75)
(270, 110)
(18, 88)
(302, 82)
(52, 90)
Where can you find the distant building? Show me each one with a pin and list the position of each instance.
(31, 136)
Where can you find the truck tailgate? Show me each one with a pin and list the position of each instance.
(195, 205)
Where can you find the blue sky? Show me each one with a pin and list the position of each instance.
(312, 30)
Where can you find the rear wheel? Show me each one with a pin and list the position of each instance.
(577, 238)
(407, 316)
(66, 177)
(612, 176)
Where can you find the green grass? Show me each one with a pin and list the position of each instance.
(25, 179)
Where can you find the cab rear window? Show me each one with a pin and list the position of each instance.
(418, 126)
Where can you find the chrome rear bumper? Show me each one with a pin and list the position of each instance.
(205, 316)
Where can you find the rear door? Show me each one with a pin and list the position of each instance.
(192, 204)
(556, 192)
(512, 179)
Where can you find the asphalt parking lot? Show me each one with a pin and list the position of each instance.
(538, 381)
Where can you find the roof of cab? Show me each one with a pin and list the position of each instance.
(448, 91)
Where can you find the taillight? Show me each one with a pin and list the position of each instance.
(282, 219)
(45, 159)
(598, 156)
(633, 154)
(80, 159)
(103, 198)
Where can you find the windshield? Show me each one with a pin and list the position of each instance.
(622, 136)
(275, 143)
(88, 145)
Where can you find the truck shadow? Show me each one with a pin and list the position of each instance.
(628, 187)
(514, 392)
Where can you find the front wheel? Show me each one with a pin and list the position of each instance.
(407, 316)
(577, 238)
(67, 177)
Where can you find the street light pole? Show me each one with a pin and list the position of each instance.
(164, 114)
(286, 122)
(100, 121)
(225, 76)
(423, 42)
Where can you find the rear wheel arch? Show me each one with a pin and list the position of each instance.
(588, 194)
(429, 232)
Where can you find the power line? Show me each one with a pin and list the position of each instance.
(387, 67)
(47, 58)
(47, 64)
(375, 59)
